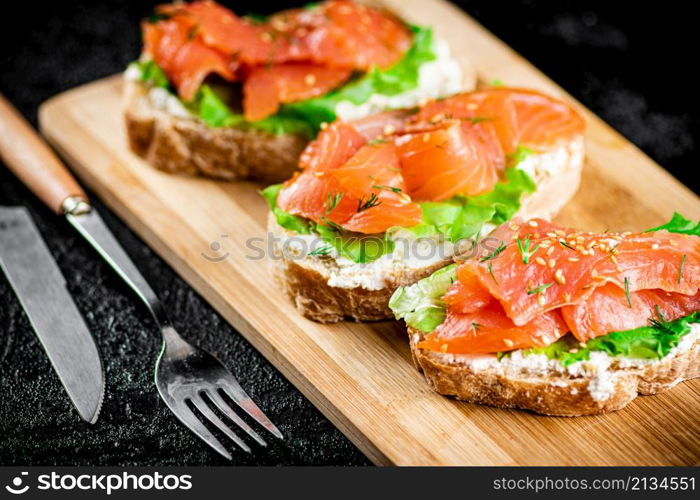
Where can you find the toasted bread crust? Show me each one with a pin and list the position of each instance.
(315, 299)
(188, 146)
(552, 393)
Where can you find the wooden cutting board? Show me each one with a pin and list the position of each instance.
(361, 375)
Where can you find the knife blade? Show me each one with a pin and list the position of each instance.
(41, 289)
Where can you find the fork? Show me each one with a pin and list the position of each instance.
(188, 378)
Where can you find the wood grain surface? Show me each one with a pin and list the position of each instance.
(361, 375)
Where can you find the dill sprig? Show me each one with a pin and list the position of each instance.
(321, 250)
(372, 201)
(491, 273)
(565, 244)
(539, 289)
(495, 253)
(332, 201)
(627, 292)
(387, 188)
(525, 250)
(333, 225)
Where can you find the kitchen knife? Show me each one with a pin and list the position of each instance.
(41, 289)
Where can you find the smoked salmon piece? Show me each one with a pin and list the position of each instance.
(521, 117)
(608, 310)
(292, 56)
(453, 157)
(332, 147)
(364, 194)
(455, 146)
(592, 283)
(489, 330)
(265, 88)
(183, 57)
(571, 264)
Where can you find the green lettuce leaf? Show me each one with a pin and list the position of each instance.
(151, 74)
(679, 224)
(647, 342)
(284, 219)
(420, 304)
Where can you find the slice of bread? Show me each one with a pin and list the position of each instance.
(328, 290)
(177, 143)
(600, 385)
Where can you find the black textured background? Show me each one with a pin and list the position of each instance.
(631, 64)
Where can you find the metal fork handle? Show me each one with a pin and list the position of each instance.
(94, 230)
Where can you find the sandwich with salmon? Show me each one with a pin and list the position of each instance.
(387, 200)
(561, 321)
(239, 97)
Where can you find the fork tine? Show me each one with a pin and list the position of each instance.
(228, 411)
(234, 390)
(185, 415)
(211, 416)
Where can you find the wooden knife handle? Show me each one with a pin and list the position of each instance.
(31, 159)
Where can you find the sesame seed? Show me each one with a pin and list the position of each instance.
(550, 250)
(573, 350)
(540, 261)
(541, 300)
(560, 232)
(655, 246)
(551, 234)
(532, 223)
(389, 129)
(551, 263)
(613, 258)
(673, 242)
(443, 348)
(324, 125)
(580, 249)
(310, 79)
(573, 259)
(426, 137)
(559, 277)
(513, 226)
(508, 342)
(472, 105)
(567, 297)
(594, 273)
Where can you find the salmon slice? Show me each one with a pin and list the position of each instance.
(185, 59)
(265, 88)
(450, 158)
(520, 117)
(356, 36)
(558, 274)
(332, 147)
(364, 194)
(489, 330)
(544, 276)
(608, 309)
(294, 55)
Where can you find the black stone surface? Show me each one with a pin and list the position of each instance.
(629, 63)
